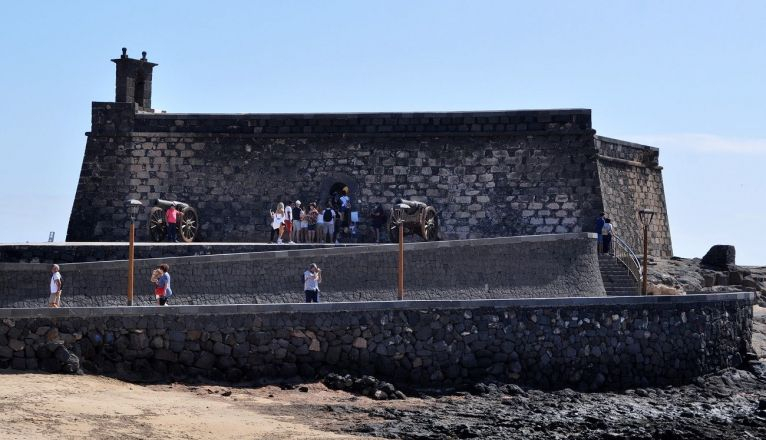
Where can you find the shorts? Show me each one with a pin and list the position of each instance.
(312, 227)
(304, 224)
(330, 228)
(288, 226)
(54, 298)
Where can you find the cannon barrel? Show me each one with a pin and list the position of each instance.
(412, 203)
(165, 204)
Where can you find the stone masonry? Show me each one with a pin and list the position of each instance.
(512, 267)
(583, 343)
(488, 174)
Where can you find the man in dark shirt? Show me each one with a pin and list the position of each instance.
(599, 228)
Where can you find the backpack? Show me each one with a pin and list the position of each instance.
(327, 215)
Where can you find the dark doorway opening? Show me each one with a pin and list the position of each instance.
(138, 93)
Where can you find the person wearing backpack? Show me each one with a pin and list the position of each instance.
(54, 299)
(328, 220)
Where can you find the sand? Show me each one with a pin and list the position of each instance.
(42, 406)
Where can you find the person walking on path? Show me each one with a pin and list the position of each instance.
(162, 291)
(607, 232)
(311, 279)
(599, 226)
(171, 216)
(54, 299)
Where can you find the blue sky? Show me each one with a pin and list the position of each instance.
(685, 76)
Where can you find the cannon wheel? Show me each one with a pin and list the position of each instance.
(157, 226)
(187, 227)
(429, 230)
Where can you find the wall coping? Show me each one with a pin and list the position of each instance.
(268, 255)
(366, 115)
(249, 309)
(626, 143)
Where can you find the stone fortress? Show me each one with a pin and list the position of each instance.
(514, 291)
(488, 174)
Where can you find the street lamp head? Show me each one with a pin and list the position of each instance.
(398, 212)
(134, 206)
(646, 216)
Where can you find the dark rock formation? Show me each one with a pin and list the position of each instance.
(720, 256)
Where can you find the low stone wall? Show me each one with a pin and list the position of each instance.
(583, 343)
(544, 266)
(61, 253)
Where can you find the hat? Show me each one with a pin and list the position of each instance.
(298, 202)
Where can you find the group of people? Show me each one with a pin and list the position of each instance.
(291, 222)
(605, 231)
(160, 279)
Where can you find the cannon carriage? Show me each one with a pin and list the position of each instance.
(187, 221)
(417, 218)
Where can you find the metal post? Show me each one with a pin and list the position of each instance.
(645, 263)
(401, 260)
(130, 263)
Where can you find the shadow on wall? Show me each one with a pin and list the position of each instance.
(516, 267)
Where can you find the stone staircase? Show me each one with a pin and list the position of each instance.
(617, 279)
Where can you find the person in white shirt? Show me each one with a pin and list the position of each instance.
(311, 279)
(607, 233)
(278, 221)
(54, 300)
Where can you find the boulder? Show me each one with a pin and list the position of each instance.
(720, 256)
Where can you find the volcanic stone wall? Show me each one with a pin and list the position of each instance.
(631, 180)
(583, 343)
(488, 174)
(515, 267)
(84, 252)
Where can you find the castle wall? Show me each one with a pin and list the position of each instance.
(582, 343)
(511, 267)
(487, 173)
(631, 180)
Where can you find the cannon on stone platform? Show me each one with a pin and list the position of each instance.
(417, 218)
(187, 221)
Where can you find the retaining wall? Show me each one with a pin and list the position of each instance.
(83, 252)
(584, 343)
(564, 265)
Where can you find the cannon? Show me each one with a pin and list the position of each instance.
(418, 218)
(187, 221)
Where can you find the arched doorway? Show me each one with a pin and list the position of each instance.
(334, 184)
(336, 191)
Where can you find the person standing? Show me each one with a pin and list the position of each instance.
(311, 279)
(607, 232)
(378, 220)
(328, 219)
(313, 217)
(278, 221)
(295, 216)
(599, 226)
(289, 223)
(163, 292)
(171, 217)
(54, 299)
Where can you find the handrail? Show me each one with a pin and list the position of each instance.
(625, 255)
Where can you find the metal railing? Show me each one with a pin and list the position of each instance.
(628, 258)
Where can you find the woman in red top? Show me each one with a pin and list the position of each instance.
(170, 216)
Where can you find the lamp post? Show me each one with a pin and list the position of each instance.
(133, 208)
(398, 220)
(646, 216)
